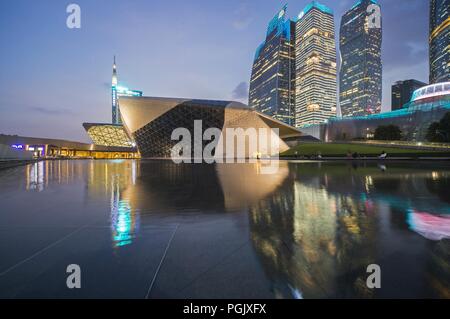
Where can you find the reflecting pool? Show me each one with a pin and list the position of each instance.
(154, 229)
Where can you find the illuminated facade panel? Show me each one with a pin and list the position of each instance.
(432, 90)
(439, 41)
(360, 84)
(315, 81)
(271, 84)
(108, 135)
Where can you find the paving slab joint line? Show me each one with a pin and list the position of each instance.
(161, 262)
(41, 251)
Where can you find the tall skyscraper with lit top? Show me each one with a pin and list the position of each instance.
(116, 92)
(316, 74)
(360, 84)
(439, 41)
(272, 80)
(115, 102)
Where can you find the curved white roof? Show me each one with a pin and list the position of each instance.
(438, 89)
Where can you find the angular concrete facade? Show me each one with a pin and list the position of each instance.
(150, 121)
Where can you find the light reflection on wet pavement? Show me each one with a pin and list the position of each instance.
(159, 230)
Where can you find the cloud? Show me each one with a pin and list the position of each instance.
(405, 33)
(242, 17)
(345, 4)
(417, 49)
(241, 24)
(47, 111)
(240, 92)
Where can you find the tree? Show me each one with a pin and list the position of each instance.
(444, 126)
(439, 131)
(388, 133)
(433, 134)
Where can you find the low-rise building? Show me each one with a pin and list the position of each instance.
(55, 148)
(428, 104)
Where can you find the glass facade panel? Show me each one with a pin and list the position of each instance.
(271, 84)
(439, 41)
(316, 74)
(360, 84)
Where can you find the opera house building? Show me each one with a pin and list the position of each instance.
(151, 121)
(108, 134)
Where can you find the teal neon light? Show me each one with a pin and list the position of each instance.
(408, 109)
(278, 23)
(316, 5)
(123, 91)
(360, 1)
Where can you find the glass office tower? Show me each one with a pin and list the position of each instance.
(360, 84)
(402, 92)
(315, 92)
(272, 80)
(439, 41)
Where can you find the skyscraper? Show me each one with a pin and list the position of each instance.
(315, 91)
(271, 84)
(402, 92)
(360, 85)
(439, 41)
(116, 92)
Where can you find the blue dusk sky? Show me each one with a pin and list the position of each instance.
(53, 78)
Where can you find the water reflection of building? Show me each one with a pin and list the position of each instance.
(433, 227)
(317, 233)
(244, 184)
(314, 226)
(39, 175)
(35, 176)
(117, 179)
(438, 270)
(135, 186)
(105, 179)
(124, 221)
(312, 240)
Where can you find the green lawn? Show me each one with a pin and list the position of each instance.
(336, 150)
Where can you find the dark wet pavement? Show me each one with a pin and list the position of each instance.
(154, 229)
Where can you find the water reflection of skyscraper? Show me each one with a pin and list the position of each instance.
(103, 178)
(124, 221)
(118, 179)
(317, 233)
(296, 234)
(315, 228)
